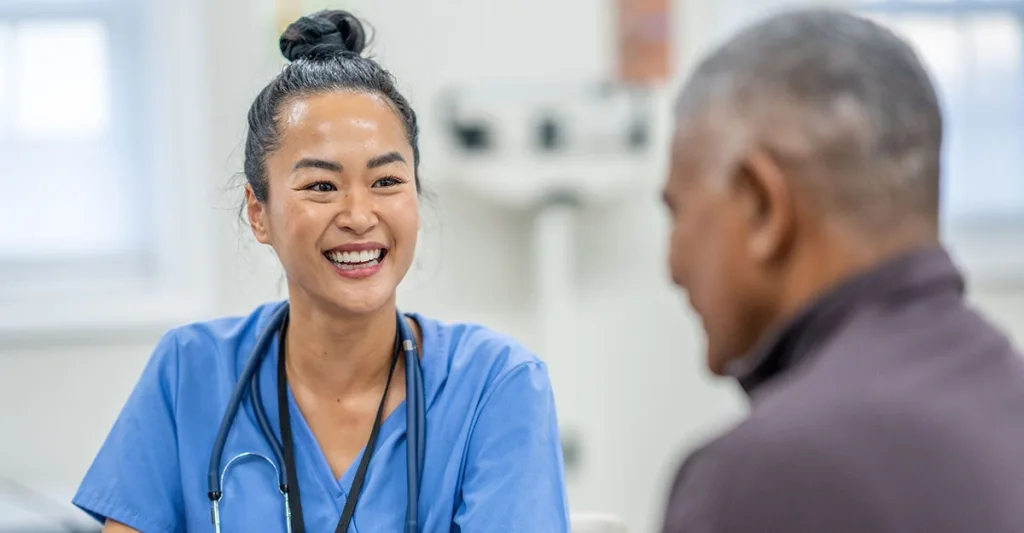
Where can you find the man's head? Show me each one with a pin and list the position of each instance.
(807, 147)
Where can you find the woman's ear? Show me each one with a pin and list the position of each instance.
(257, 214)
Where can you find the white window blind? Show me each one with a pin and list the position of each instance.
(100, 134)
(69, 184)
(974, 50)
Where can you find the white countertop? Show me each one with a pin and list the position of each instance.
(35, 508)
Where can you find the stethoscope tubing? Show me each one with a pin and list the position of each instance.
(259, 351)
(415, 418)
(416, 423)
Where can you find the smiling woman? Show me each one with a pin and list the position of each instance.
(469, 444)
(340, 179)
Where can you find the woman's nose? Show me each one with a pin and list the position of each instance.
(357, 214)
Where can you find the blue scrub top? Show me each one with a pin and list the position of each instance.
(493, 455)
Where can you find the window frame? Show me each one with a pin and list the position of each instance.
(158, 49)
(990, 250)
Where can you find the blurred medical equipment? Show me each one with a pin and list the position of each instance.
(551, 150)
(248, 382)
(525, 145)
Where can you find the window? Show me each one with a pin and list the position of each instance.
(64, 171)
(85, 164)
(66, 175)
(974, 50)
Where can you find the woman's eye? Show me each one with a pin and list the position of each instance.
(321, 186)
(389, 181)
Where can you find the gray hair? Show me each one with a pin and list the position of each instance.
(841, 102)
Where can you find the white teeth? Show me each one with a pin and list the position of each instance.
(356, 258)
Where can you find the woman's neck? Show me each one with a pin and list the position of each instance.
(336, 355)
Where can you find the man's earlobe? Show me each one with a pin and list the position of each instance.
(770, 205)
(257, 213)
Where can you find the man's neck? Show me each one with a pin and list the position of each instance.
(335, 355)
(835, 254)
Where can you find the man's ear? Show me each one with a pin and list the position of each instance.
(257, 214)
(769, 202)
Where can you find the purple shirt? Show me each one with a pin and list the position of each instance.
(888, 405)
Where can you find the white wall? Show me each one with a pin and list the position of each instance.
(653, 400)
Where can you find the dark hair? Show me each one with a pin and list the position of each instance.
(324, 50)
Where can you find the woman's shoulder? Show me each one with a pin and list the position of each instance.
(223, 336)
(464, 349)
(230, 328)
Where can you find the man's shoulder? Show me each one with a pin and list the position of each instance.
(758, 443)
(751, 474)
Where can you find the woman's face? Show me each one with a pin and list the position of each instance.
(342, 211)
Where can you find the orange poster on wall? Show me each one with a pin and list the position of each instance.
(644, 40)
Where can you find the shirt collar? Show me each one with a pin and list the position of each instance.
(908, 276)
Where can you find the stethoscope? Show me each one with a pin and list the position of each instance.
(415, 412)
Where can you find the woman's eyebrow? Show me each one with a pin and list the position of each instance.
(381, 160)
(319, 163)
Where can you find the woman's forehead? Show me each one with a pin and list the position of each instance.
(340, 117)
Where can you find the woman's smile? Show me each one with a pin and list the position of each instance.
(357, 261)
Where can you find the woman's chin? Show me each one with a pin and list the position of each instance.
(365, 301)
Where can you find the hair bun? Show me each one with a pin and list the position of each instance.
(323, 34)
